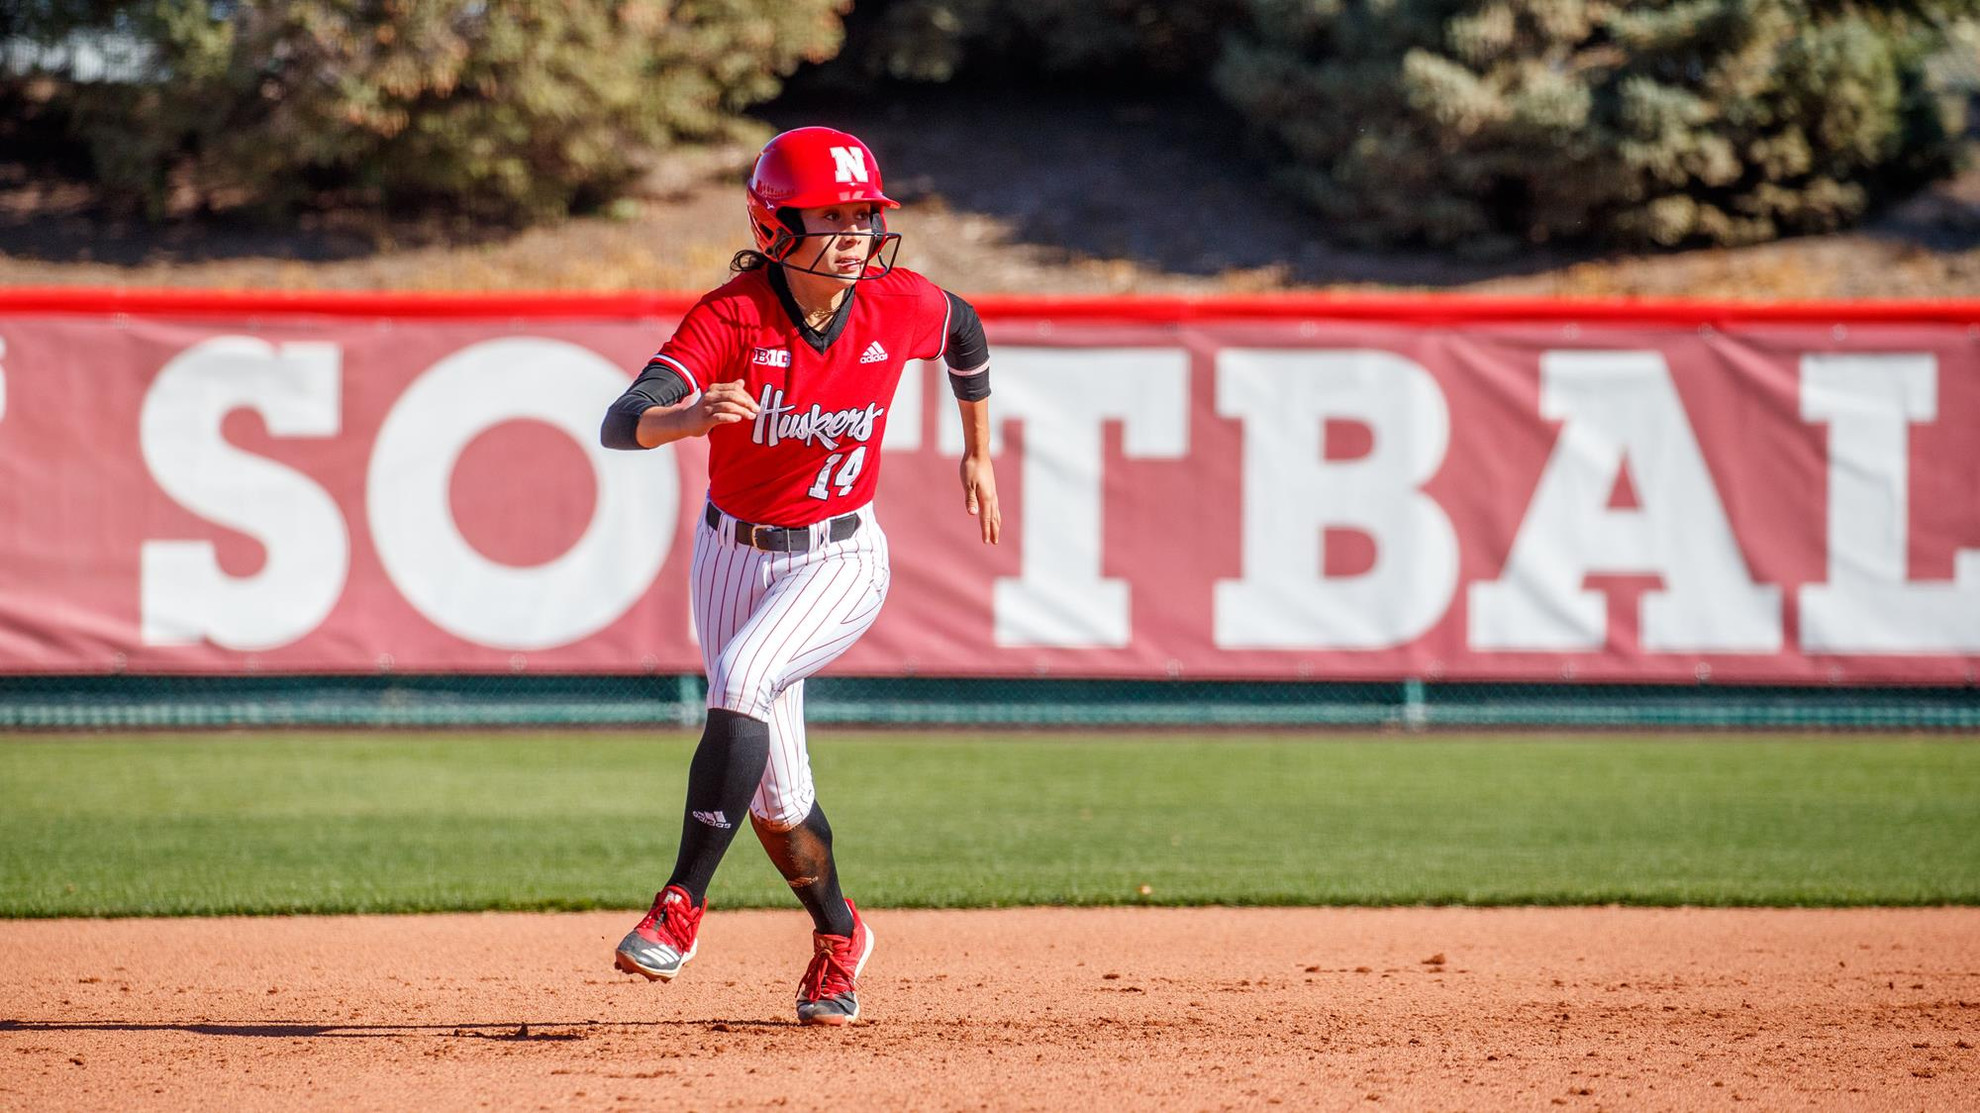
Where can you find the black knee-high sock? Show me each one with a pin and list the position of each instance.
(723, 776)
(803, 855)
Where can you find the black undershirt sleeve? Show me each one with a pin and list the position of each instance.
(967, 353)
(658, 385)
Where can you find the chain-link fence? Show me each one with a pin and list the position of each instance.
(399, 701)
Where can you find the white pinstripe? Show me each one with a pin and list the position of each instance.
(785, 795)
(767, 621)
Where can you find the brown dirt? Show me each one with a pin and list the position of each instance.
(1004, 195)
(1027, 1009)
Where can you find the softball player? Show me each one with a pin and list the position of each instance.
(789, 370)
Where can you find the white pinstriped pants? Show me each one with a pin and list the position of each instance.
(767, 621)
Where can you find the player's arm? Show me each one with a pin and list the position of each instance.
(668, 401)
(660, 389)
(661, 407)
(968, 357)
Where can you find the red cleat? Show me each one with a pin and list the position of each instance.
(829, 992)
(665, 939)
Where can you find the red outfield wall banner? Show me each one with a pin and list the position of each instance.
(1237, 488)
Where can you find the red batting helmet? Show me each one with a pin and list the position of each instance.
(805, 168)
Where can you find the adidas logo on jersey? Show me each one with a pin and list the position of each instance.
(874, 353)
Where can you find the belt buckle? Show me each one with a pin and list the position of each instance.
(776, 539)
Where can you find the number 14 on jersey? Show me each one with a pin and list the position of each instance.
(822, 489)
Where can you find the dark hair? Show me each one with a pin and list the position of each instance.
(748, 260)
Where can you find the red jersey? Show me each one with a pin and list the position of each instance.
(813, 451)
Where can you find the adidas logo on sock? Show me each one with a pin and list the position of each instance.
(713, 819)
(874, 353)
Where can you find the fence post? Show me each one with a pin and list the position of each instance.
(1415, 715)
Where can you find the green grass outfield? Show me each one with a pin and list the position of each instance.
(263, 823)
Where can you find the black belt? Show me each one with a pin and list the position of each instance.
(781, 539)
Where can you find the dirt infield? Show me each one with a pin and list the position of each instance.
(1025, 1009)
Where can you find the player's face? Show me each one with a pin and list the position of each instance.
(845, 236)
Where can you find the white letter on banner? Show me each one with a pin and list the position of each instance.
(1291, 494)
(1617, 405)
(183, 595)
(904, 417)
(1063, 396)
(1867, 606)
(412, 522)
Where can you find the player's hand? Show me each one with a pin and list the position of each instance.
(979, 480)
(721, 404)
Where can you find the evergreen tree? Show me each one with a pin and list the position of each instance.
(1485, 123)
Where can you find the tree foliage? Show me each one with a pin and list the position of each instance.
(1483, 123)
(1122, 40)
(513, 109)
(1475, 123)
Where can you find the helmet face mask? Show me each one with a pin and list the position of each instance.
(812, 168)
(794, 251)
